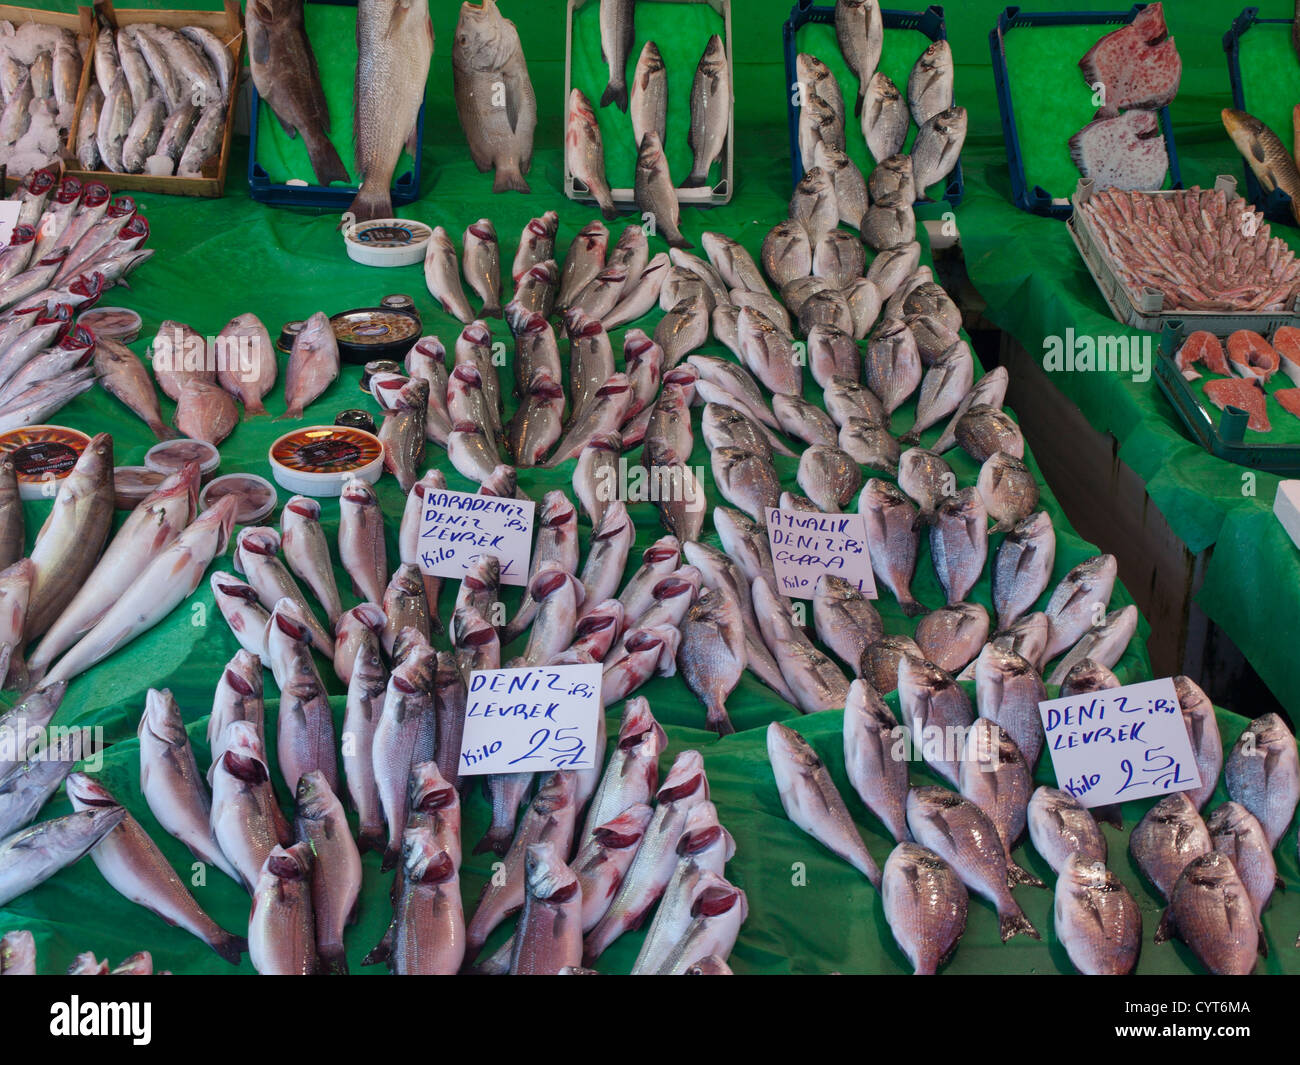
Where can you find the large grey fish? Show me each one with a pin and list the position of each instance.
(925, 905)
(937, 146)
(885, 121)
(937, 711)
(892, 540)
(649, 101)
(481, 263)
(285, 73)
(961, 834)
(1236, 832)
(799, 419)
(811, 800)
(1079, 602)
(88, 128)
(336, 869)
(1166, 839)
(886, 227)
(959, 543)
(1263, 774)
(1096, 919)
(1008, 690)
(860, 31)
(238, 697)
(994, 776)
(407, 720)
(718, 912)
(712, 654)
(204, 142)
(549, 934)
(710, 111)
(746, 480)
(1203, 731)
(585, 152)
(1022, 567)
(1009, 490)
(427, 934)
(830, 477)
(32, 856)
(952, 636)
(846, 398)
(815, 681)
(632, 772)
(1103, 644)
(929, 86)
(617, 31)
(307, 551)
(281, 929)
(246, 819)
(305, 724)
(893, 365)
(143, 135)
(654, 192)
(1060, 826)
(945, 384)
(132, 863)
(845, 620)
(985, 430)
(875, 757)
(583, 261)
(25, 791)
(394, 46)
(114, 124)
(1210, 910)
(367, 687)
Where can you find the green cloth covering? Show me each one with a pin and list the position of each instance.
(332, 29)
(1270, 75)
(223, 257)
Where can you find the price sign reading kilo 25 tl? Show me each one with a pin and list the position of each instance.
(806, 544)
(457, 527)
(1125, 743)
(531, 720)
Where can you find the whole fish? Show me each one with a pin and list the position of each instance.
(204, 142)
(92, 107)
(25, 791)
(1210, 910)
(885, 123)
(171, 783)
(932, 704)
(285, 73)
(1103, 644)
(654, 193)
(845, 620)
(395, 46)
(685, 787)
(442, 276)
(632, 772)
(1167, 839)
(1022, 567)
(959, 542)
(814, 680)
(257, 556)
(143, 134)
(860, 31)
(925, 905)
(307, 552)
(938, 146)
(205, 412)
(15, 590)
(313, 365)
(961, 834)
(367, 688)
(132, 863)
(427, 935)
(993, 775)
(711, 104)
(829, 476)
(171, 145)
(1078, 602)
(238, 697)
(405, 728)
(585, 153)
(1008, 690)
(1096, 918)
(35, 854)
(718, 911)
(984, 430)
(449, 699)
(1265, 154)
(1008, 489)
(952, 636)
(488, 61)
(812, 801)
(1089, 676)
(584, 260)
(712, 654)
(929, 86)
(1203, 731)
(1060, 826)
(246, 820)
(1263, 774)
(335, 869)
(481, 263)
(68, 545)
(246, 362)
(1236, 832)
(872, 757)
(892, 540)
(114, 124)
(403, 428)
(549, 935)
(616, 35)
(123, 376)
(649, 98)
(362, 549)
(281, 927)
(305, 726)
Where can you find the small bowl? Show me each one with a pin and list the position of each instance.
(387, 241)
(171, 455)
(133, 484)
(319, 460)
(257, 495)
(114, 323)
(42, 456)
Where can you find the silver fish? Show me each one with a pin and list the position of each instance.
(305, 725)
(814, 680)
(481, 263)
(35, 854)
(995, 777)
(335, 870)
(892, 540)
(406, 726)
(307, 552)
(632, 772)
(1166, 839)
(238, 697)
(367, 688)
(1263, 774)
(1078, 602)
(1008, 690)
(845, 620)
(959, 542)
(256, 557)
(634, 300)
(929, 86)
(549, 935)
(893, 365)
(880, 661)
(1203, 731)
(654, 193)
(872, 757)
(281, 926)
(829, 476)
(1009, 490)
(884, 117)
(1210, 910)
(246, 821)
(204, 142)
(25, 791)
(1061, 826)
(649, 100)
(860, 31)
(616, 35)
(712, 654)
(711, 105)
(1103, 644)
(1096, 918)
(933, 704)
(787, 251)
(427, 935)
(952, 636)
(361, 540)
(1088, 676)
(1022, 567)
(938, 146)
(442, 276)
(925, 905)
(1236, 832)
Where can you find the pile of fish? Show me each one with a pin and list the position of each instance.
(158, 101)
(18, 958)
(1203, 249)
(70, 244)
(1137, 69)
(886, 119)
(1216, 875)
(1247, 367)
(40, 73)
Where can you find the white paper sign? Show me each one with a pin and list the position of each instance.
(530, 720)
(457, 527)
(9, 210)
(806, 544)
(1125, 743)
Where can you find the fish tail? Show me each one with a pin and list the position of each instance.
(678, 241)
(862, 98)
(616, 94)
(912, 608)
(695, 180)
(391, 855)
(496, 839)
(371, 838)
(491, 310)
(231, 947)
(163, 432)
(1015, 923)
(1109, 814)
(1165, 929)
(333, 962)
(1017, 875)
(910, 437)
(509, 179)
(371, 202)
(254, 409)
(381, 952)
(719, 720)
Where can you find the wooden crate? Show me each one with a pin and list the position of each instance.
(82, 24)
(227, 24)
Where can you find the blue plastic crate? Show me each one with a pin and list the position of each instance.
(406, 186)
(929, 22)
(1275, 205)
(1038, 200)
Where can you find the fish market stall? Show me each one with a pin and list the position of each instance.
(235, 269)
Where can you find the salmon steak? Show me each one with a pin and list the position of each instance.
(1203, 347)
(1251, 355)
(1244, 394)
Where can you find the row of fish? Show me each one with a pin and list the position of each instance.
(18, 958)
(40, 73)
(158, 101)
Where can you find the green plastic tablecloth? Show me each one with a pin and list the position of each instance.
(220, 258)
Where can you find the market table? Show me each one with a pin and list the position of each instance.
(1229, 553)
(220, 258)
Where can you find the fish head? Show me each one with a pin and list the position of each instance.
(547, 875)
(291, 863)
(314, 798)
(430, 790)
(627, 829)
(87, 793)
(162, 719)
(423, 861)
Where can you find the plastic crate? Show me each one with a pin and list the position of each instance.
(1149, 313)
(1224, 440)
(1275, 205)
(929, 22)
(1039, 200)
(406, 186)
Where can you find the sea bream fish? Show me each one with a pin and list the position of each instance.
(925, 905)
(1263, 774)
(1210, 910)
(873, 744)
(1096, 918)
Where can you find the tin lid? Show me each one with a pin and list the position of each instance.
(256, 494)
(42, 456)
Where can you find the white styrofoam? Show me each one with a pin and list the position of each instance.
(1286, 508)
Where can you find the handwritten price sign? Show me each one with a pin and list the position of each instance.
(9, 210)
(457, 527)
(530, 720)
(806, 544)
(1122, 744)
